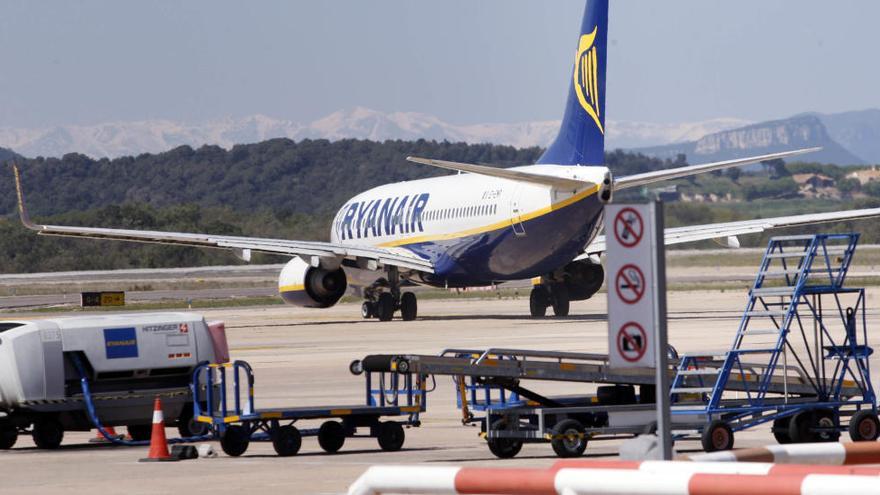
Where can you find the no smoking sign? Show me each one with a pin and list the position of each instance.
(630, 284)
(629, 264)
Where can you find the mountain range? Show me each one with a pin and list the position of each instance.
(847, 138)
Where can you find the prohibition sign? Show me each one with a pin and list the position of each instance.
(632, 342)
(630, 284)
(628, 227)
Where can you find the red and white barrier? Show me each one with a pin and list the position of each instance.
(620, 481)
(833, 454)
(755, 468)
(619, 477)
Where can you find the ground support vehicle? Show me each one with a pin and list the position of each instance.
(817, 331)
(393, 401)
(801, 325)
(62, 374)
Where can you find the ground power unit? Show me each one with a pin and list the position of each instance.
(127, 359)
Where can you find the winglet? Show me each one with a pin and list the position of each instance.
(22, 210)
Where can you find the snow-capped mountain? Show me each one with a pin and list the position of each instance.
(152, 136)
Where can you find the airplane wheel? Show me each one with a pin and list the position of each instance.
(561, 302)
(538, 301)
(409, 306)
(385, 307)
(368, 310)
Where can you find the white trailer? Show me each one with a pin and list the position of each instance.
(128, 359)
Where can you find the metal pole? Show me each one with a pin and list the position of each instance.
(662, 377)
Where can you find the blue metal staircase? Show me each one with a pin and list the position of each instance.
(785, 303)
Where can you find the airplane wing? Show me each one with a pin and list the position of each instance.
(241, 246)
(679, 235)
(676, 173)
(505, 173)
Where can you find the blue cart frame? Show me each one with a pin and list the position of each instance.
(402, 396)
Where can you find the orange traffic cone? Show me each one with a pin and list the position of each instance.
(158, 442)
(99, 438)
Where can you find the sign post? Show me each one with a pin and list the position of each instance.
(636, 267)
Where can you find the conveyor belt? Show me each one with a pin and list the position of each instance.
(579, 367)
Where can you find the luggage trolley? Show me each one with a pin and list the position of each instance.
(238, 422)
(491, 381)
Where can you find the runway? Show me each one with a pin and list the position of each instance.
(301, 357)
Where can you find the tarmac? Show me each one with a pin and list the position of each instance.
(301, 357)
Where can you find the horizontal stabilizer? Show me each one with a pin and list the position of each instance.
(506, 173)
(676, 173)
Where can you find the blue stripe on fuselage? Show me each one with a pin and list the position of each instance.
(551, 241)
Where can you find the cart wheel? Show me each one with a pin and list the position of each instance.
(8, 435)
(402, 366)
(569, 439)
(826, 418)
(780, 430)
(717, 436)
(800, 427)
(48, 433)
(286, 440)
(331, 436)
(385, 307)
(864, 426)
(503, 448)
(390, 436)
(235, 440)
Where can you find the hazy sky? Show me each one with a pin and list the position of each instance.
(466, 61)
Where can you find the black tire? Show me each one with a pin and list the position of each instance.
(826, 418)
(800, 427)
(539, 299)
(140, 433)
(367, 311)
(717, 436)
(409, 306)
(8, 435)
(385, 307)
(560, 300)
(390, 436)
(780, 430)
(48, 433)
(569, 439)
(286, 440)
(331, 436)
(187, 425)
(864, 426)
(235, 440)
(503, 448)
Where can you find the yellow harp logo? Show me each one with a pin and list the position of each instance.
(586, 80)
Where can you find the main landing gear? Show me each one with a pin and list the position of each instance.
(549, 295)
(383, 304)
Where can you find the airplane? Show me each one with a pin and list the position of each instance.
(482, 225)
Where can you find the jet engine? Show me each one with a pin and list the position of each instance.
(302, 284)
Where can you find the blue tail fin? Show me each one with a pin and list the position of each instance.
(581, 138)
